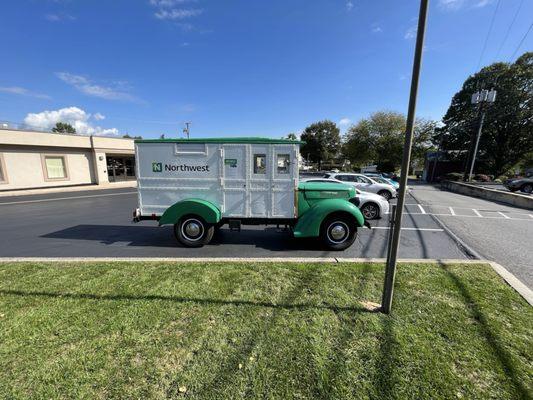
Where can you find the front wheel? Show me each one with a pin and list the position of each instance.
(385, 194)
(527, 188)
(193, 231)
(338, 232)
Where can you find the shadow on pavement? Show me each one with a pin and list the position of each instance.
(154, 236)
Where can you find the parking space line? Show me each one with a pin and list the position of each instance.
(421, 209)
(412, 229)
(503, 215)
(64, 198)
(477, 213)
(451, 211)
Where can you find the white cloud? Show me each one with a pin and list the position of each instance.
(75, 116)
(454, 5)
(59, 17)
(98, 117)
(345, 122)
(169, 3)
(411, 33)
(377, 29)
(86, 86)
(349, 5)
(23, 92)
(177, 13)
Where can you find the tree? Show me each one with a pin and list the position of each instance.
(380, 138)
(322, 142)
(62, 127)
(507, 135)
(127, 136)
(291, 136)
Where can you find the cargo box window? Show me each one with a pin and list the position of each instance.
(191, 148)
(259, 163)
(283, 163)
(55, 167)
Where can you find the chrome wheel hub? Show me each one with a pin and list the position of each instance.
(192, 229)
(338, 232)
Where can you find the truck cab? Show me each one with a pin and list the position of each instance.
(199, 185)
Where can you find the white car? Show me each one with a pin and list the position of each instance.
(372, 206)
(365, 184)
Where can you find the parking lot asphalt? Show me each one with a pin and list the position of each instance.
(90, 224)
(497, 232)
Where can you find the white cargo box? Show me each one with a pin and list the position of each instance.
(243, 177)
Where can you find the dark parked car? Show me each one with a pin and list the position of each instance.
(523, 184)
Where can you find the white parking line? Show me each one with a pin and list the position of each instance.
(65, 198)
(503, 215)
(477, 213)
(451, 211)
(421, 209)
(412, 229)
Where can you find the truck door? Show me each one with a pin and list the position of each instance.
(234, 180)
(284, 172)
(260, 181)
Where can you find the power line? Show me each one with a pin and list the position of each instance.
(509, 29)
(488, 35)
(521, 41)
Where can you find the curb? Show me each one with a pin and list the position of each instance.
(508, 277)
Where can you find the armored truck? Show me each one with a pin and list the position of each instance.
(199, 185)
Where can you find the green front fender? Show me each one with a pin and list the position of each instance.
(308, 224)
(203, 208)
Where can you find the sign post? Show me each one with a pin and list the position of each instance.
(390, 271)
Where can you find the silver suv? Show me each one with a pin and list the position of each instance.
(364, 183)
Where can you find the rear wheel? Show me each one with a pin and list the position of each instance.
(385, 194)
(338, 232)
(193, 231)
(527, 188)
(370, 210)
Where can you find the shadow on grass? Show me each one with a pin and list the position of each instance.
(386, 365)
(177, 299)
(503, 357)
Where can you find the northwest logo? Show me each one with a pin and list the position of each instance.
(157, 167)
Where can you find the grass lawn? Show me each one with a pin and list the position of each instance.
(231, 331)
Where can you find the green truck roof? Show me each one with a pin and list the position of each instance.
(252, 140)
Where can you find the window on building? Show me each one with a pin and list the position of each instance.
(260, 164)
(283, 163)
(3, 172)
(55, 167)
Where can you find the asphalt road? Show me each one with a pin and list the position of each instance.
(495, 231)
(98, 224)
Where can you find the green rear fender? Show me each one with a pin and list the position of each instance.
(203, 208)
(308, 224)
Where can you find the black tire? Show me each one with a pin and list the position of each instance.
(385, 194)
(370, 211)
(335, 225)
(527, 188)
(193, 231)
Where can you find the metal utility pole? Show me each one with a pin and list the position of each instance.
(485, 96)
(390, 271)
(187, 130)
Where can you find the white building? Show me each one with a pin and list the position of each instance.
(31, 160)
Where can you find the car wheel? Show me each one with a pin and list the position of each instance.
(385, 194)
(370, 211)
(193, 231)
(338, 232)
(527, 188)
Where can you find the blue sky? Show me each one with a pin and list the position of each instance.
(238, 67)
